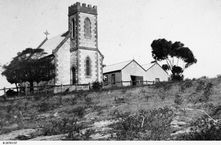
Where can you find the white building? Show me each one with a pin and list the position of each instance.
(132, 73)
(77, 57)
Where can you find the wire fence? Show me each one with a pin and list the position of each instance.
(128, 83)
(21, 92)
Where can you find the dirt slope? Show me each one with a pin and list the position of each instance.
(91, 115)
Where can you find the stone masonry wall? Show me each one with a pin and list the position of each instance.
(63, 64)
(84, 42)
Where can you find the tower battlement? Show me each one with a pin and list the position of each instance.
(84, 8)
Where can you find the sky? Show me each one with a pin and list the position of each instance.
(126, 29)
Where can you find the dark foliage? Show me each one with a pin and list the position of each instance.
(30, 65)
(11, 93)
(97, 86)
(167, 50)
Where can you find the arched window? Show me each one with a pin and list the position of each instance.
(88, 66)
(73, 28)
(87, 28)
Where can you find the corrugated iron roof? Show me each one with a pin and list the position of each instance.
(115, 67)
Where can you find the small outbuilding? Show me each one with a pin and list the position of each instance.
(154, 72)
(132, 73)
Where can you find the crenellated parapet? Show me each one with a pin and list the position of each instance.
(84, 8)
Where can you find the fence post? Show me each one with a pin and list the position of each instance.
(4, 91)
(26, 90)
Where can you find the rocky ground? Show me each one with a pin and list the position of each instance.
(118, 114)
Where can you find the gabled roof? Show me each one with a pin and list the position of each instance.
(119, 66)
(52, 45)
(150, 65)
(116, 67)
(49, 45)
(147, 66)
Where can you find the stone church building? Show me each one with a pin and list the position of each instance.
(77, 57)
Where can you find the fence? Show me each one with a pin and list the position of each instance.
(128, 83)
(11, 93)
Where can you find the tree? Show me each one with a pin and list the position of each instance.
(172, 53)
(30, 65)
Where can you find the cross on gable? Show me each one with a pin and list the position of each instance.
(46, 33)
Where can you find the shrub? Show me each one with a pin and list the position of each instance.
(203, 129)
(146, 125)
(178, 99)
(207, 91)
(119, 100)
(219, 76)
(59, 126)
(11, 93)
(44, 106)
(178, 77)
(186, 84)
(96, 86)
(200, 86)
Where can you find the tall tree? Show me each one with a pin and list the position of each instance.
(30, 65)
(172, 54)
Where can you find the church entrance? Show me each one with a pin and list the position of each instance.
(73, 75)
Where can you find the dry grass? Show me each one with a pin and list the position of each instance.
(95, 106)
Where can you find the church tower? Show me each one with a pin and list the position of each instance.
(86, 60)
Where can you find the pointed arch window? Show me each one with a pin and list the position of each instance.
(87, 28)
(88, 66)
(73, 28)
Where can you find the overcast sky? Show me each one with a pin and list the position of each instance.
(126, 28)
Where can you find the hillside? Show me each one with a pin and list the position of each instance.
(164, 111)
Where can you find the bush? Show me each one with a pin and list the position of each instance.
(60, 126)
(203, 129)
(71, 126)
(178, 77)
(11, 93)
(97, 86)
(186, 84)
(44, 106)
(178, 100)
(147, 125)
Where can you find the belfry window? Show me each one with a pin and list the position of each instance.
(73, 28)
(87, 28)
(88, 66)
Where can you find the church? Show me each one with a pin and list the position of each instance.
(78, 60)
(77, 57)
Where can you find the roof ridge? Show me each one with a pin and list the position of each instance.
(120, 62)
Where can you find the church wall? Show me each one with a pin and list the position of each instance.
(84, 42)
(63, 64)
(100, 67)
(82, 78)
